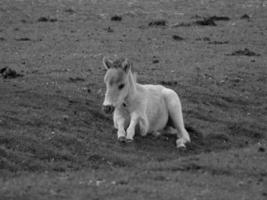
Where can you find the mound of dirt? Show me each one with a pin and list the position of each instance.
(206, 22)
(170, 83)
(109, 30)
(76, 79)
(155, 61)
(261, 149)
(183, 24)
(47, 19)
(201, 22)
(177, 37)
(8, 73)
(69, 10)
(23, 39)
(245, 16)
(203, 39)
(218, 42)
(220, 18)
(160, 22)
(245, 52)
(116, 18)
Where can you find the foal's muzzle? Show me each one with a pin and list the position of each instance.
(108, 109)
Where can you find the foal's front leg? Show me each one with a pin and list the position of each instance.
(119, 124)
(121, 131)
(131, 129)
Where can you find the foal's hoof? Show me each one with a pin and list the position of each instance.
(128, 140)
(156, 134)
(122, 139)
(182, 148)
(180, 144)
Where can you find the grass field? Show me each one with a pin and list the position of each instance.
(56, 143)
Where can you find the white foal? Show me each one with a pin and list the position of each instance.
(150, 108)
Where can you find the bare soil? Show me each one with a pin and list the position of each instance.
(55, 142)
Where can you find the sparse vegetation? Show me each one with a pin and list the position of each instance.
(55, 142)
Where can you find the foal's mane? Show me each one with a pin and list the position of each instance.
(134, 75)
(117, 64)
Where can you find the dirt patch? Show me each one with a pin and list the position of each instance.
(261, 149)
(201, 22)
(8, 73)
(109, 30)
(206, 22)
(169, 83)
(219, 42)
(47, 19)
(208, 143)
(76, 79)
(245, 52)
(155, 61)
(203, 39)
(23, 39)
(183, 24)
(116, 18)
(98, 161)
(155, 23)
(177, 38)
(70, 11)
(196, 168)
(245, 16)
(220, 18)
(247, 131)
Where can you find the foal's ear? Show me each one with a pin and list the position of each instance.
(107, 63)
(126, 65)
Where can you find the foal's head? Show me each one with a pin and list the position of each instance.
(117, 83)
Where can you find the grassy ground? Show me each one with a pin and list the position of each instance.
(55, 143)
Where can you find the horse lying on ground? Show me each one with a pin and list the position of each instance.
(148, 108)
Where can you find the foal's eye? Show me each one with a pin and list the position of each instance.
(121, 86)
